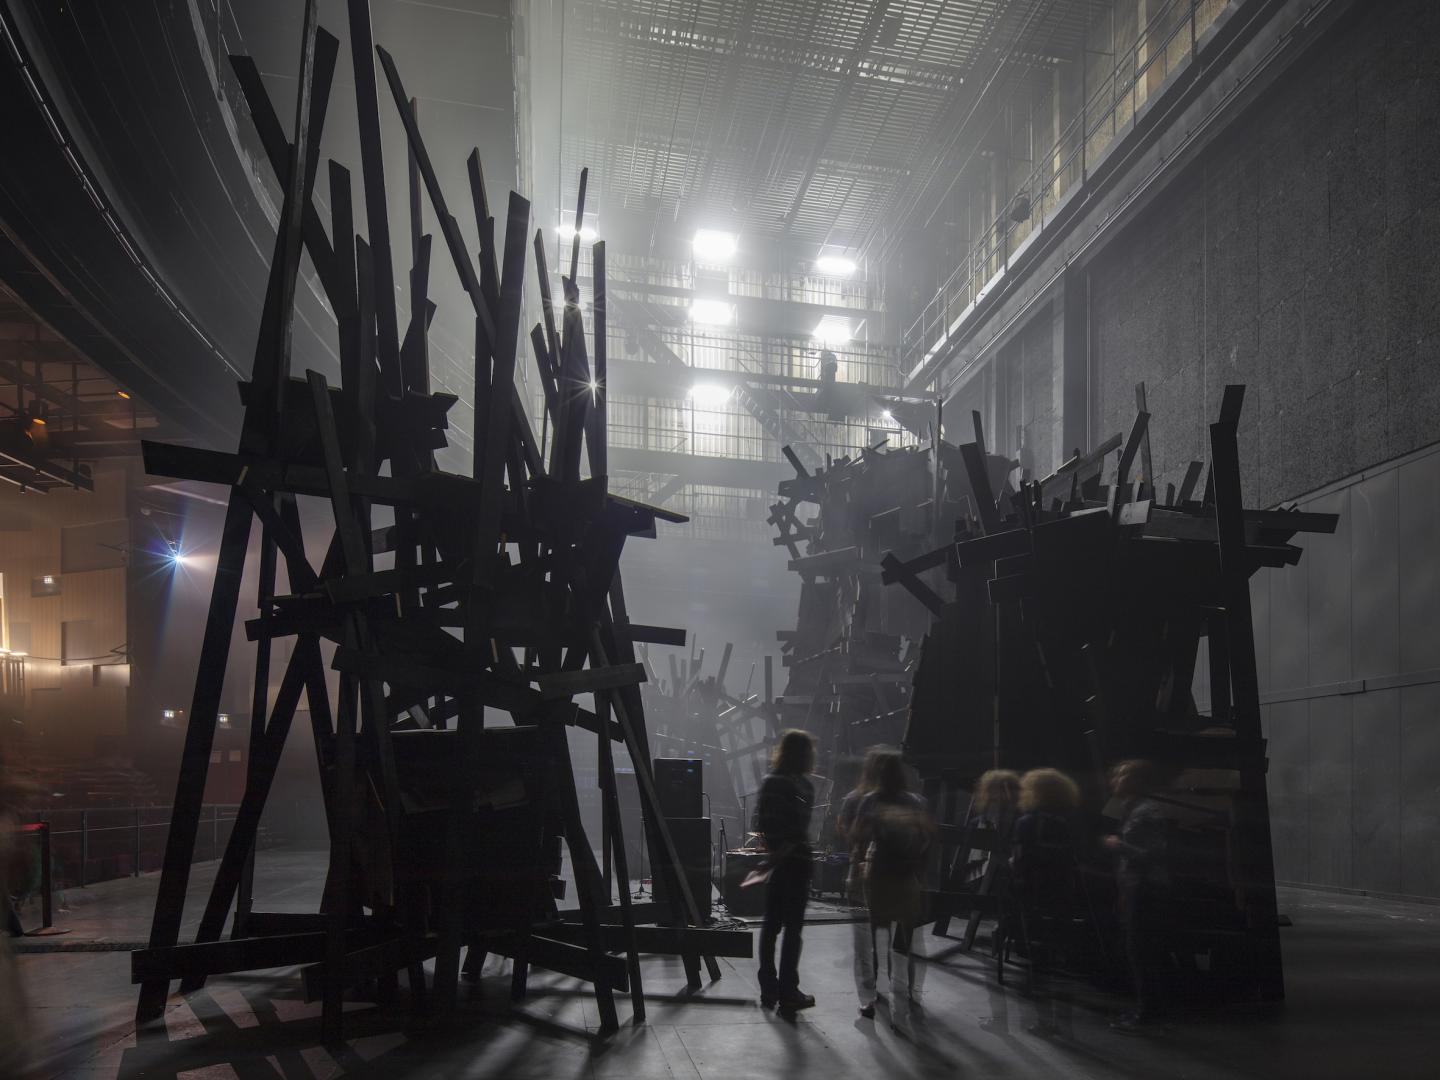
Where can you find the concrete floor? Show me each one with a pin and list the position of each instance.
(1363, 982)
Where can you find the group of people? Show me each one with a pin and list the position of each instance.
(1034, 814)
(889, 832)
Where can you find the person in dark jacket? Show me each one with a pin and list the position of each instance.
(1144, 880)
(782, 817)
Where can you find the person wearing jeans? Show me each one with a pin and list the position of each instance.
(782, 816)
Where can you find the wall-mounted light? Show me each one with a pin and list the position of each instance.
(713, 245)
(47, 579)
(835, 265)
(223, 720)
(833, 330)
(122, 394)
(710, 395)
(712, 312)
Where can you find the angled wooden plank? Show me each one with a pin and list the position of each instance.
(372, 171)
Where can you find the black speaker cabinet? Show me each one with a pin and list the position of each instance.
(680, 786)
(692, 844)
(743, 902)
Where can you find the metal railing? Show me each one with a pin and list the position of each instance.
(1106, 111)
(96, 844)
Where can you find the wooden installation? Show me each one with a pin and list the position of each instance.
(851, 654)
(1071, 637)
(463, 614)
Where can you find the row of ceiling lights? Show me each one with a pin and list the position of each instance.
(717, 246)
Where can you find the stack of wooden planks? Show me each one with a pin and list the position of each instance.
(464, 614)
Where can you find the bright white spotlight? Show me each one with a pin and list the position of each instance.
(594, 387)
(888, 416)
(835, 265)
(713, 245)
(832, 330)
(710, 395)
(712, 312)
(567, 232)
(178, 558)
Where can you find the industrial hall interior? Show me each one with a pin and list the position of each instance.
(719, 539)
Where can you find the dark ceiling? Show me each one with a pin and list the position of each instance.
(815, 122)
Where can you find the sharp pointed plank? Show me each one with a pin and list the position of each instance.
(372, 170)
(277, 151)
(449, 228)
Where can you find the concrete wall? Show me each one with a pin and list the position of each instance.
(1297, 256)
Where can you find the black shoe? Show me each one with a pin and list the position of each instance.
(796, 1000)
(868, 1011)
(768, 1001)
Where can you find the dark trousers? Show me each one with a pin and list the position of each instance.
(785, 896)
(12, 920)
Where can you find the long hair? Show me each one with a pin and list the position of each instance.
(996, 787)
(890, 778)
(870, 770)
(1048, 790)
(794, 753)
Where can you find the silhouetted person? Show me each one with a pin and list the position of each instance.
(14, 1039)
(997, 799)
(863, 932)
(894, 827)
(1144, 882)
(782, 817)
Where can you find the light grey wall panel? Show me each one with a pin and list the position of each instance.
(1418, 526)
(1375, 803)
(1289, 784)
(1260, 616)
(1290, 626)
(1328, 795)
(1420, 790)
(1375, 576)
(1327, 572)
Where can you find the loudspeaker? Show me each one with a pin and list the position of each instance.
(680, 785)
(738, 901)
(692, 844)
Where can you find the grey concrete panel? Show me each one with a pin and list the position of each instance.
(1420, 790)
(1375, 803)
(1375, 575)
(1289, 782)
(1328, 796)
(1289, 625)
(1260, 617)
(1327, 569)
(1418, 527)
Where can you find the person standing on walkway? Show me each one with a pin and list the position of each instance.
(782, 817)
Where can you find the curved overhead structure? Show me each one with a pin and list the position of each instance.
(138, 209)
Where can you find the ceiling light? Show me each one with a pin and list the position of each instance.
(38, 420)
(837, 265)
(222, 720)
(712, 244)
(712, 312)
(567, 232)
(594, 387)
(123, 394)
(888, 416)
(710, 395)
(832, 330)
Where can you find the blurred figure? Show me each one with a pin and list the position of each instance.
(13, 1044)
(864, 932)
(894, 828)
(1144, 882)
(997, 798)
(1043, 857)
(782, 817)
